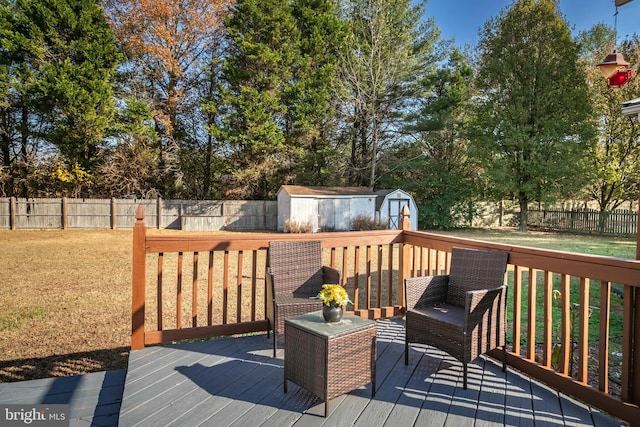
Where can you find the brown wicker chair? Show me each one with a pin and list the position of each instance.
(294, 274)
(462, 313)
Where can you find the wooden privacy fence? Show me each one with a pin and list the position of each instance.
(618, 222)
(72, 213)
(208, 285)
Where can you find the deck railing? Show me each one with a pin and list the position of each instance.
(562, 310)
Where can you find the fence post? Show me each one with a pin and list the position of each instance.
(114, 214)
(138, 281)
(63, 209)
(12, 213)
(159, 213)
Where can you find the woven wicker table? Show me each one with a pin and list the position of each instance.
(330, 359)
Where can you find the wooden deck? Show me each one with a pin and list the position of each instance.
(236, 382)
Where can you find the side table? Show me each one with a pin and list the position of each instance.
(330, 359)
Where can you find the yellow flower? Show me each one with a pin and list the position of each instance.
(334, 295)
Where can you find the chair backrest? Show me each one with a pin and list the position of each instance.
(472, 270)
(296, 267)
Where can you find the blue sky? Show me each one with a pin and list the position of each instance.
(463, 18)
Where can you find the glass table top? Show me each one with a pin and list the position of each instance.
(314, 322)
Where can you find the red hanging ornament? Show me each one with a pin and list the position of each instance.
(620, 78)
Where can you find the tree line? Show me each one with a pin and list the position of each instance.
(215, 99)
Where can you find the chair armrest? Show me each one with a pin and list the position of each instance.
(330, 275)
(479, 301)
(425, 290)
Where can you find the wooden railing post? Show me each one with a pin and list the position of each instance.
(138, 281)
(404, 261)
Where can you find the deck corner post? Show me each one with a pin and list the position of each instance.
(138, 281)
(405, 255)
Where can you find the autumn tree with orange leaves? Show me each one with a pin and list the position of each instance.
(169, 44)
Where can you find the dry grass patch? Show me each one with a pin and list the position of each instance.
(65, 296)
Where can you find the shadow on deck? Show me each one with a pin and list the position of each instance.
(235, 382)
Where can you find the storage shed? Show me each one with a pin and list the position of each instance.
(324, 208)
(389, 204)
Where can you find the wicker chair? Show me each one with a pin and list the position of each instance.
(462, 313)
(294, 274)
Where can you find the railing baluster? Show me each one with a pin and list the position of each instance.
(627, 342)
(159, 289)
(390, 275)
(603, 337)
(225, 288)
(194, 292)
(548, 319)
(565, 284)
(517, 308)
(254, 283)
(379, 282)
(239, 288)
(344, 267)
(210, 290)
(179, 294)
(368, 277)
(356, 277)
(583, 334)
(531, 320)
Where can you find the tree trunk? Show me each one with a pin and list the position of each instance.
(524, 209)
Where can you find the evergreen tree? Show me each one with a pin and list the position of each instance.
(76, 81)
(60, 81)
(311, 99)
(274, 104)
(533, 126)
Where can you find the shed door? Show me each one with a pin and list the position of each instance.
(395, 208)
(333, 214)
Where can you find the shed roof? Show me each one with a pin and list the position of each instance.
(301, 190)
(382, 194)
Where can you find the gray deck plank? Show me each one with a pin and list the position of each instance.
(93, 399)
(518, 402)
(412, 397)
(491, 401)
(546, 406)
(392, 377)
(575, 413)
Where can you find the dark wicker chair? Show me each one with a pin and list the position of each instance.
(294, 274)
(462, 313)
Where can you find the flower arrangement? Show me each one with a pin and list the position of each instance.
(334, 296)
